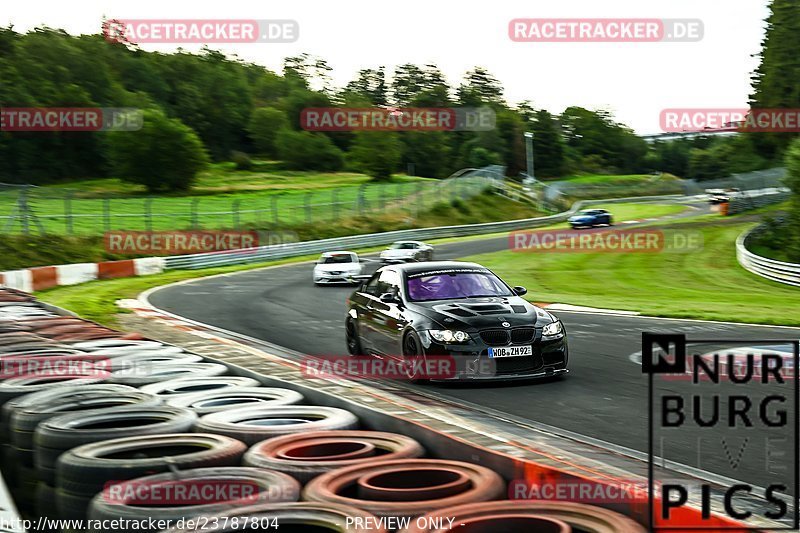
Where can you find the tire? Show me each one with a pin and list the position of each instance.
(282, 421)
(45, 501)
(412, 352)
(110, 344)
(258, 486)
(499, 516)
(138, 377)
(351, 336)
(311, 516)
(90, 466)
(11, 388)
(149, 358)
(45, 397)
(204, 403)
(24, 421)
(61, 433)
(307, 455)
(385, 485)
(181, 386)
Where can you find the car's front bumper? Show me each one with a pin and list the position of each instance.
(472, 361)
(331, 279)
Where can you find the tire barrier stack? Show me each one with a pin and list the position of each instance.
(147, 431)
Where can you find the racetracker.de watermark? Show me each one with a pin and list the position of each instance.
(181, 492)
(572, 489)
(398, 119)
(200, 31)
(698, 120)
(604, 30)
(178, 242)
(606, 241)
(78, 366)
(71, 119)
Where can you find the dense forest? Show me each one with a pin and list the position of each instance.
(212, 107)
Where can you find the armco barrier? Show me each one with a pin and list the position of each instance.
(788, 273)
(281, 251)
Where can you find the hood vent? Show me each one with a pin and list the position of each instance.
(519, 309)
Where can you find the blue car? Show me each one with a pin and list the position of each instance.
(589, 218)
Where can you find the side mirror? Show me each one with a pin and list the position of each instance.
(389, 298)
(519, 290)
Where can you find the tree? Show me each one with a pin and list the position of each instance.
(705, 165)
(776, 81)
(265, 122)
(370, 84)
(429, 152)
(479, 88)
(376, 153)
(411, 81)
(303, 150)
(165, 155)
(548, 145)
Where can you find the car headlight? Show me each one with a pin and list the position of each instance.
(447, 335)
(553, 329)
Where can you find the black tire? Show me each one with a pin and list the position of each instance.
(204, 403)
(256, 485)
(412, 352)
(152, 357)
(47, 396)
(61, 433)
(140, 376)
(11, 388)
(45, 501)
(180, 386)
(275, 421)
(352, 338)
(24, 421)
(90, 466)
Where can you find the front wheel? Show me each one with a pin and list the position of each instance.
(353, 342)
(413, 358)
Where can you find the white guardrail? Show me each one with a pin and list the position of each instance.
(281, 251)
(788, 273)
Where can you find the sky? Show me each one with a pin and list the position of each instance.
(634, 81)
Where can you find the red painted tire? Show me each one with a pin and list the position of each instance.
(406, 487)
(304, 516)
(158, 496)
(307, 455)
(520, 515)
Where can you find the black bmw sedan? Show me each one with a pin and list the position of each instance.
(460, 311)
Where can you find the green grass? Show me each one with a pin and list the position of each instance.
(708, 284)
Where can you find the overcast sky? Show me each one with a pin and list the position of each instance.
(633, 80)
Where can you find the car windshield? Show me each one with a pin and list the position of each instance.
(455, 285)
(587, 212)
(338, 258)
(402, 246)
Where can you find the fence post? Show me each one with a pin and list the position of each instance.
(24, 210)
(107, 214)
(307, 204)
(193, 209)
(235, 209)
(274, 203)
(148, 214)
(361, 199)
(335, 204)
(68, 212)
(381, 197)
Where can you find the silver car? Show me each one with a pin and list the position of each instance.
(337, 267)
(405, 251)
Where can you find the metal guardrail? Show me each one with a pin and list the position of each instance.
(782, 272)
(281, 251)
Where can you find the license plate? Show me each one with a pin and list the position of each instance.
(511, 351)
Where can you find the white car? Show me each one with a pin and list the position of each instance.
(337, 267)
(403, 251)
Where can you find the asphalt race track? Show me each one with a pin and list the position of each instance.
(604, 396)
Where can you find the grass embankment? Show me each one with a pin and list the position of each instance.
(706, 284)
(19, 251)
(276, 198)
